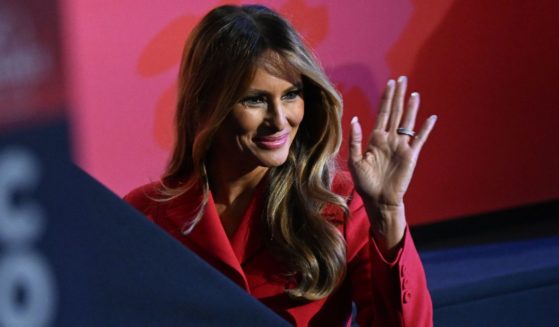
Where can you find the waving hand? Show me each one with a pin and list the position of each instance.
(382, 171)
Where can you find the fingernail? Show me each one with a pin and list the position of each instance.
(434, 117)
(402, 79)
(390, 83)
(354, 120)
(415, 94)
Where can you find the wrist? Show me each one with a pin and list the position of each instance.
(384, 213)
(388, 225)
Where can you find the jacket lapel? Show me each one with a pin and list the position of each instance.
(208, 238)
(249, 238)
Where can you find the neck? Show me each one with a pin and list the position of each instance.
(227, 183)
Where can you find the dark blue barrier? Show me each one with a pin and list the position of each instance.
(503, 284)
(74, 254)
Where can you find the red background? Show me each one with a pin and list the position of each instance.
(488, 69)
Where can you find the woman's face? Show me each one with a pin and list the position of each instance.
(262, 125)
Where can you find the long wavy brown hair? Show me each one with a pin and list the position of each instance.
(219, 61)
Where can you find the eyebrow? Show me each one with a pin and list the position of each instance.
(296, 86)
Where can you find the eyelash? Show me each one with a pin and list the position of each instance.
(257, 100)
(293, 94)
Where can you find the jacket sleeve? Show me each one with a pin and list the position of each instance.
(386, 293)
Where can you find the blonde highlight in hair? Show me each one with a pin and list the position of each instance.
(218, 63)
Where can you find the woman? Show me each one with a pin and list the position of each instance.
(252, 186)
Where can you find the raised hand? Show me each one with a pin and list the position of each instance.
(382, 173)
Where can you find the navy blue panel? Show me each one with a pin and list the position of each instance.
(108, 265)
(453, 267)
(523, 299)
(502, 284)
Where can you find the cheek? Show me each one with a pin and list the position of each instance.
(244, 121)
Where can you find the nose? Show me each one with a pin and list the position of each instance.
(277, 115)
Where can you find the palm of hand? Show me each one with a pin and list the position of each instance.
(383, 172)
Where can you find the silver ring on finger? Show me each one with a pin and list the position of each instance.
(405, 131)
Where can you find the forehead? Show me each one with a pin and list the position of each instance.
(272, 65)
(265, 81)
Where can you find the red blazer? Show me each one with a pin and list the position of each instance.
(386, 293)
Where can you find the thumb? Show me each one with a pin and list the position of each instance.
(355, 139)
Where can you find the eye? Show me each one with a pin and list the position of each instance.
(253, 101)
(293, 94)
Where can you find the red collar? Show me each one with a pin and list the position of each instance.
(208, 238)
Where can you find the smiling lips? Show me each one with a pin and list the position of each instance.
(272, 142)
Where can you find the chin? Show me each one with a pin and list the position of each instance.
(270, 163)
(272, 160)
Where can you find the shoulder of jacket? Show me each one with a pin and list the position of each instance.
(144, 197)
